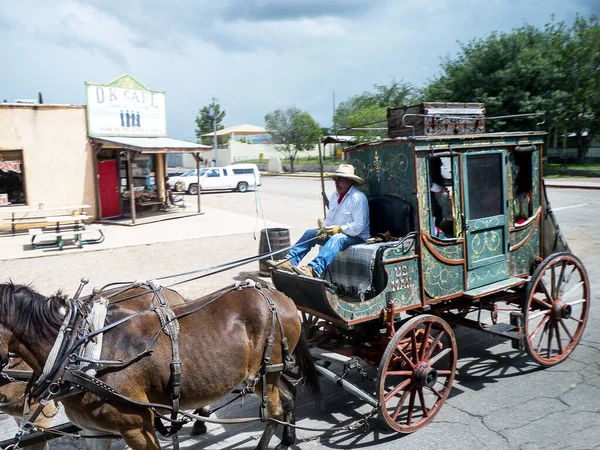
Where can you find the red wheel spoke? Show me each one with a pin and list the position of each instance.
(439, 356)
(550, 336)
(444, 372)
(553, 282)
(426, 335)
(539, 346)
(538, 314)
(403, 373)
(539, 327)
(434, 390)
(570, 291)
(561, 278)
(406, 358)
(576, 319)
(411, 407)
(422, 400)
(433, 345)
(397, 389)
(570, 275)
(413, 340)
(548, 296)
(400, 403)
(577, 302)
(560, 348)
(562, 323)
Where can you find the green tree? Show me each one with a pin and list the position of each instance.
(204, 124)
(293, 130)
(579, 48)
(554, 70)
(369, 109)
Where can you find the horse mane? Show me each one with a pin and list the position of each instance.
(23, 310)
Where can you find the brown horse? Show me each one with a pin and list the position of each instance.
(222, 343)
(14, 392)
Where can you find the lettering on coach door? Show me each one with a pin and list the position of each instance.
(116, 111)
(402, 278)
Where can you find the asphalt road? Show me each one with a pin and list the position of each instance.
(500, 399)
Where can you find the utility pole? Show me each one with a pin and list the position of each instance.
(214, 114)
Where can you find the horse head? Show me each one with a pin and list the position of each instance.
(26, 318)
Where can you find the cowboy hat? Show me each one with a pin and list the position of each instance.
(346, 171)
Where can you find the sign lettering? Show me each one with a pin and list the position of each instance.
(125, 112)
(10, 166)
(403, 279)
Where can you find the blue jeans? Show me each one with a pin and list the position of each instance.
(331, 246)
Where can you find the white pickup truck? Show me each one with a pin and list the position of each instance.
(234, 177)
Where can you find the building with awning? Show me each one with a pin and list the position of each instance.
(108, 155)
(239, 130)
(128, 133)
(144, 163)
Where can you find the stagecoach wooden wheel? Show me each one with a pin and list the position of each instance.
(416, 373)
(556, 308)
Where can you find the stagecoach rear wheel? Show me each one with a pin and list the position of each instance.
(416, 373)
(556, 308)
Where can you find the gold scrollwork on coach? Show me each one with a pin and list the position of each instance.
(487, 245)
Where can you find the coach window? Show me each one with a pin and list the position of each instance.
(441, 197)
(12, 187)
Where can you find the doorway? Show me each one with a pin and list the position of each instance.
(109, 188)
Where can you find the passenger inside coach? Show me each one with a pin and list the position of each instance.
(522, 205)
(442, 221)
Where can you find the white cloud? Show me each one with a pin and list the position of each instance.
(253, 55)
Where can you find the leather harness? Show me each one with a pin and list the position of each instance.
(74, 380)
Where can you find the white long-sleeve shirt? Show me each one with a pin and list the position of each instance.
(352, 214)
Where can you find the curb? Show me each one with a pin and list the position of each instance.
(574, 186)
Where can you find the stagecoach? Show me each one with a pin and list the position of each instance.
(463, 233)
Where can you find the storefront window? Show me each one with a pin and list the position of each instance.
(12, 187)
(142, 171)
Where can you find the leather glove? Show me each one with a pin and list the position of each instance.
(334, 229)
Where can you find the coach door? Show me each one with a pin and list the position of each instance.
(486, 221)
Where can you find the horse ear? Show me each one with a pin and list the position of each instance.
(62, 298)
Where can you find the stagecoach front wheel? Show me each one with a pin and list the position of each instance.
(416, 373)
(556, 308)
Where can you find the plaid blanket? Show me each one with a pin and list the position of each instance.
(352, 269)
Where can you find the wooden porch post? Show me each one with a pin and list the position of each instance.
(197, 158)
(95, 150)
(131, 190)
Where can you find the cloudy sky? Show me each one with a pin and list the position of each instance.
(252, 55)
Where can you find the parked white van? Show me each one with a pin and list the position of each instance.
(238, 177)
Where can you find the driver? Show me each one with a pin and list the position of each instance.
(346, 224)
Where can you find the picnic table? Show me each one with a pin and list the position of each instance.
(72, 227)
(33, 216)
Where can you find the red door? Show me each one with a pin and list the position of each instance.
(109, 188)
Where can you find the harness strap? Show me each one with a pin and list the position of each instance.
(266, 367)
(103, 390)
(170, 326)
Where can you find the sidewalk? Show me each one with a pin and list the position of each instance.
(573, 183)
(213, 222)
